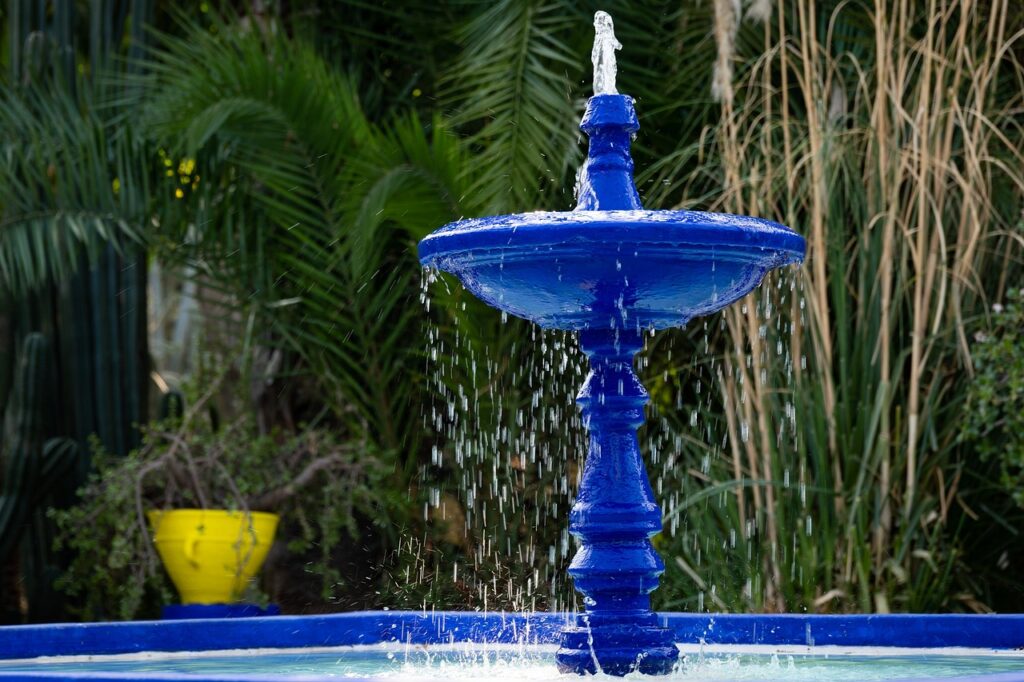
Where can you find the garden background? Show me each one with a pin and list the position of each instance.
(211, 297)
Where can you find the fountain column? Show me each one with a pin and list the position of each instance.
(615, 516)
(605, 180)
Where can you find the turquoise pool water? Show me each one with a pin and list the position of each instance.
(536, 663)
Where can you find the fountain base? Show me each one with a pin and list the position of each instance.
(617, 649)
(444, 646)
(614, 518)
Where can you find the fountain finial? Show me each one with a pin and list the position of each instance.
(605, 181)
(603, 54)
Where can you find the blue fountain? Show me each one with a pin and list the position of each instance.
(612, 271)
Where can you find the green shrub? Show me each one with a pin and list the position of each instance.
(317, 484)
(994, 415)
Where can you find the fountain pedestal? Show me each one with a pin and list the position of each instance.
(615, 516)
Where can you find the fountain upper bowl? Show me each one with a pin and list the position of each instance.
(611, 269)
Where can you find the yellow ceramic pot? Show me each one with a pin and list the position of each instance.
(212, 554)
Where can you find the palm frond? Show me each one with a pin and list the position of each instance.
(511, 90)
(404, 178)
(70, 183)
(305, 209)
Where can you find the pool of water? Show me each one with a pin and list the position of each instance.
(536, 663)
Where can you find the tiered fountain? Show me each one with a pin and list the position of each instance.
(612, 271)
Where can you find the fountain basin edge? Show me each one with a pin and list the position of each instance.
(997, 632)
(600, 269)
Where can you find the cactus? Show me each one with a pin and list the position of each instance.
(96, 317)
(32, 467)
(33, 464)
(23, 431)
(40, 567)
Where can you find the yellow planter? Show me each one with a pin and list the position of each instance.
(212, 554)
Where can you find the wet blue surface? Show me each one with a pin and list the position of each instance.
(611, 269)
(610, 264)
(1005, 632)
(520, 663)
(372, 627)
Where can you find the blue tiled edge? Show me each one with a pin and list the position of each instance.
(371, 627)
(897, 630)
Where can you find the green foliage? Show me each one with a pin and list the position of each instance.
(306, 210)
(113, 573)
(511, 86)
(825, 471)
(316, 483)
(72, 182)
(75, 204)
(994, 411)
(811, 455)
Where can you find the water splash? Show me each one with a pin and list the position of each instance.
(603, 54)
(510, 448)
(507, 461)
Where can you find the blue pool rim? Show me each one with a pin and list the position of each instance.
(1001, 632)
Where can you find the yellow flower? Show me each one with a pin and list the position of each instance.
(178, 194)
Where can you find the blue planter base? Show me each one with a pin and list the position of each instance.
(192, 611)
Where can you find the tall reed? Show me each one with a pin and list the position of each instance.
(888, 135)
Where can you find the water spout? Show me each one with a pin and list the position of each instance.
(603, 54)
